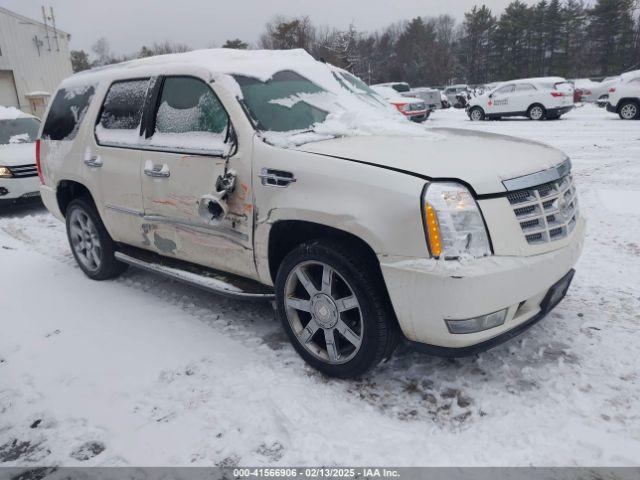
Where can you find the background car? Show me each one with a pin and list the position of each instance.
(18, 172)
(431, 96)
(624, 96)
(400, 87)
(536, 98)
(453, 91)
(414, 109)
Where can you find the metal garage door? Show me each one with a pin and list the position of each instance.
(8, 95)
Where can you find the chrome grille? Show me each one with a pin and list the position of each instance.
(547, 212)
(21, 171)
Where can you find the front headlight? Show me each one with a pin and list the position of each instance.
(5, 172)
(454, 225)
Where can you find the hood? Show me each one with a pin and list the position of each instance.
(15, 154)
(482, 160)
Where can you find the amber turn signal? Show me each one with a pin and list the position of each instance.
(433, 230)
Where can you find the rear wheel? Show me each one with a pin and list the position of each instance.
(476, 114)
(629, 110)
(90, 242)
(334, 308)
(536, 112)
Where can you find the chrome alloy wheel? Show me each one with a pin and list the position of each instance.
(323, 312)
(629, 111)
(476, 115)
(85, 240)
(536, 113)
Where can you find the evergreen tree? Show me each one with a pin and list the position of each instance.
(611, 31)
(79, 61)
(475, 44)
(236, 43)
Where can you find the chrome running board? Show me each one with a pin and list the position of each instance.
(200, 277)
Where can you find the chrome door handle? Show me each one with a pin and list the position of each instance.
(94, 162)
(276, 178)
(157, 171)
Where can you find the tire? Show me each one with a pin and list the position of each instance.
(536, 112)
(90, 243)
(629, 110)
(476, 114)
(355, 297)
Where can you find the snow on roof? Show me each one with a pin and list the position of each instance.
(28, 20)
(11, 113)
(631, 74)
(260, 64)
(37, 93)
(538, 80)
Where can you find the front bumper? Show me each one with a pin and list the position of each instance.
(417, 116)
(611, 108)
(425, 292)
(12, 189)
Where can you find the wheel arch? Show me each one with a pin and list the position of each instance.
(536, 104)
(286, 235)
(69, 190)
(627, 99)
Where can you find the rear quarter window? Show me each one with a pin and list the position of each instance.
(121, 114)
(67, 111)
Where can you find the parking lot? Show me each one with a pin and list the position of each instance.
(144, 371)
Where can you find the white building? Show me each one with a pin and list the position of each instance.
(34, 59)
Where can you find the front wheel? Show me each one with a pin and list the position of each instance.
(476, 114)
(536, 112)
(90, 242)
(334, 308)
(629, 110)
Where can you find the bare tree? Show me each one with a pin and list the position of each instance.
(102, 50)
(282, 33)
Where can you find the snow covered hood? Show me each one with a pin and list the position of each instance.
(15, 154)
(11, 113)
(483, 160)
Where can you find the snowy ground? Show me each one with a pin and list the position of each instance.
(143, 371)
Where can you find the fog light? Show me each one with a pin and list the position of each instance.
(477, 324)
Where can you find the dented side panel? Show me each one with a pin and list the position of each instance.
(379, 206)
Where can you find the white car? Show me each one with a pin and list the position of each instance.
(258, 175)
(624, 96)
(536, 98)
(415, 109)
(601, 93)
(595, 92)
(431, 96)
(452, 92)
(18, 172)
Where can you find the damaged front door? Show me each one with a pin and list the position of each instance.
(186, 213)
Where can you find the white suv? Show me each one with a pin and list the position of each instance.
(624, 96)
(536, 98)
(260, 175)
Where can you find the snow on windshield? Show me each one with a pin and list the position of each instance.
(18, 130)
(307, 100)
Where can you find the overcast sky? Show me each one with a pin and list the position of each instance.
(129, 24)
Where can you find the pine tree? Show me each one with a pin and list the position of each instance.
(611, 31)
(475, 44)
